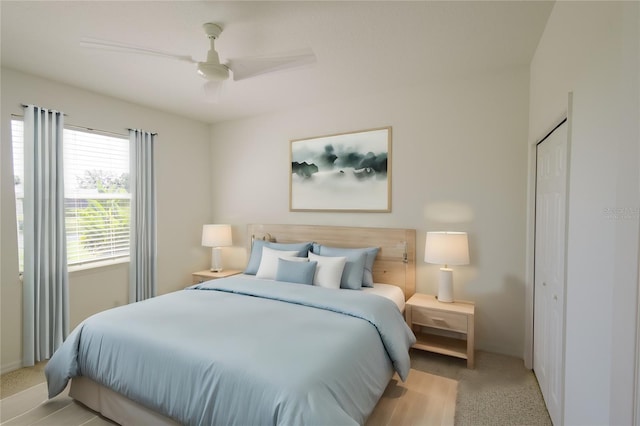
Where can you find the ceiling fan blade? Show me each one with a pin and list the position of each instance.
(96, 43)
(213, 91)
(250, 67)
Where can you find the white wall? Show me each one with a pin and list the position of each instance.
(591, 49)
(183, 191)
(459, 163)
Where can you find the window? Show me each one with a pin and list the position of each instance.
(17, 136)
(97, 198)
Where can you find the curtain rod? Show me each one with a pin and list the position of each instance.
(91, 129)
(52, 110)
(138, 130)
(104, 132)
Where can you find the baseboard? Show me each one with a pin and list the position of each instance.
(6, 368)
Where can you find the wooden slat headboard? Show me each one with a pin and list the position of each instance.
(395, 263)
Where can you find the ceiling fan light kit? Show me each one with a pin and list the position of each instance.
(213, 71)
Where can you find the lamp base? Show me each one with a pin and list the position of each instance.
(216, 259)
(445, 285)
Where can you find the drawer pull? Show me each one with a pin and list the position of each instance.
(436, 319)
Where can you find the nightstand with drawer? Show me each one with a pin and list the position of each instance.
(206, 275)
(444, 328)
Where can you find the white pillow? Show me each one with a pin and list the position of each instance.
(328, 271)
(269, 262)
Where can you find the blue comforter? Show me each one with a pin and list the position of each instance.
(243, 351)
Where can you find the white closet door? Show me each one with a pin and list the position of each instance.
(549, 283)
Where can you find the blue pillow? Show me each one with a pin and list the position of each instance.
(353, 272)
(256, 252)
(296, 272)
(370, 257)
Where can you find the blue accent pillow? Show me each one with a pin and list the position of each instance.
(353, 272)
(351, 255)
(296, 272)
(256, 252)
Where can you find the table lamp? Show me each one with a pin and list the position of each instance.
(216, 236)
(446, 248)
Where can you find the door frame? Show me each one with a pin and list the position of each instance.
(636, 384)
(636, 387)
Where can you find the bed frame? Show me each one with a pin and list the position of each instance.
(394, 264)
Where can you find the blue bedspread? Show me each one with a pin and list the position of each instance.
(243, 351)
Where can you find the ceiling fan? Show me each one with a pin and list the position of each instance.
(212, 70)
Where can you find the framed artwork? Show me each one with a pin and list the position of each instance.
(347, 172)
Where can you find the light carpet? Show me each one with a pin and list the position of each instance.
(499, 391)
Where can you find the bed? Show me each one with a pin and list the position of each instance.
(252, 349)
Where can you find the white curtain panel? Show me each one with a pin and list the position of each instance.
(143, 255)
(46, 281)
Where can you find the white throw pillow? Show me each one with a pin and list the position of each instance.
(328, 271)
(269, 262)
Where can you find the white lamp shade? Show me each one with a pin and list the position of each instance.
(447, 248)
(216, 235)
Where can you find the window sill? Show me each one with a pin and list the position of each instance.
(89, 265)
(98, 264)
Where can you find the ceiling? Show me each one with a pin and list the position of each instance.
(361, 47)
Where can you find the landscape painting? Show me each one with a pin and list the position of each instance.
(345, 172)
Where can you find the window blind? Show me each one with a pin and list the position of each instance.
(97, 198)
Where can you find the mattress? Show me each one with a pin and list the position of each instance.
(391, 292)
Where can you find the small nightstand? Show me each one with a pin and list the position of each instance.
(425, 315)
(206, 275)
